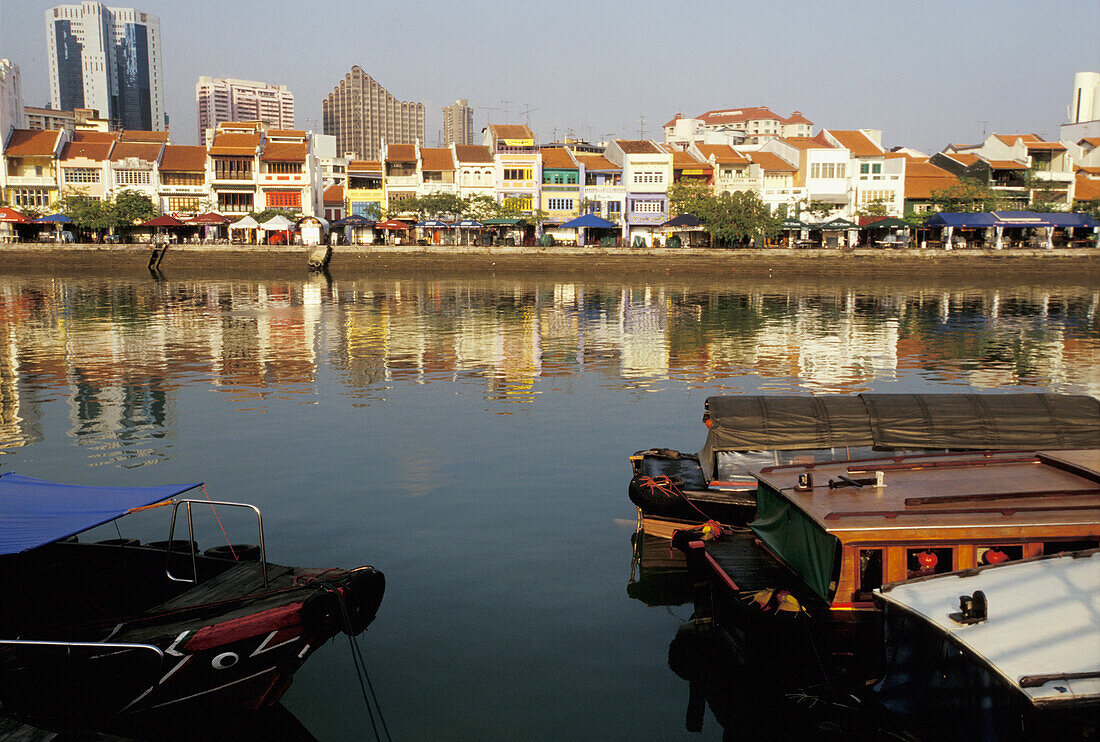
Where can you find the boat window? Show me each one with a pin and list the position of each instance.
(928, 561)
(870, 572)
(998, 554)
(1057, 547)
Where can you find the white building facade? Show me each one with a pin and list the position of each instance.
(225, 99)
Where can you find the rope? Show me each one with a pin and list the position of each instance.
(360, 666)
(214, 510)
(667, 486)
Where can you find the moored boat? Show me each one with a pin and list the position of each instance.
(832, 533)
(95, 632)
(674, 490)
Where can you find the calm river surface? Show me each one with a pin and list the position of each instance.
(470, 439)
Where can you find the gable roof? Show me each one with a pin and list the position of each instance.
(963, 158)
(922, 178)
(817, 142)
(148, 151)
(183, 158)
(233, 143)
(1031, 141)
(139, 135)
(856, 142)
(638, 147)
(594, 163)
(436, 159)
(89, 150)
(557, 157)
(334, 194)
(284, 152)
(738, 115)
(32, 143)
(684, 160)
(798, 118)
(511, 131)
(771, 162)
(723, 154)
(373, 167)
(400, 153)
(1086, 188)
(473, 153)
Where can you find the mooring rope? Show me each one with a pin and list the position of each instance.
(666, 485)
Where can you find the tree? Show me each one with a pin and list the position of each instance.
(1044, 195)
(447, 206)
(85, 211)
(874, 208)
(728, 217)
(129, 207)
(266, 214)
(968, 195)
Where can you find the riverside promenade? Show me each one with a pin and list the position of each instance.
(1080, 265)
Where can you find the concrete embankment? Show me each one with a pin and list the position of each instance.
(218, 260)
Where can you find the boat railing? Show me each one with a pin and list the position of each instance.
(194, 578)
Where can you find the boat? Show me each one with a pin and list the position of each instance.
(94, 633)
(1009, 651)
(674, 490)
(827, 535)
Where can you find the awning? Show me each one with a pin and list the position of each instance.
(35, 512)
(433, 224)
(887, 223)
(502, 222)
(166, 220)
(391, 224)
(587, 221)
(245, 223)
(683, 220)
(53, 219)
(210, 217)
(836, 224)
(11, 216)
(468, 224)
(277, 223)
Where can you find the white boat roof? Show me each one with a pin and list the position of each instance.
(1043, 624)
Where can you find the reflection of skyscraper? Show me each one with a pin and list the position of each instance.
(107, 59)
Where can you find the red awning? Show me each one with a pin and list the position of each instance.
(163, 221)
(8, 214)
(210, 217)
(391, 224)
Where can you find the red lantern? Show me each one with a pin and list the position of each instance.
(927, 560)
(994, 556)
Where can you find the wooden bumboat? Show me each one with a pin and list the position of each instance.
(835, 532)
(674, 490)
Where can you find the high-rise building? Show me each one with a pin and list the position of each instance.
(107, 59)
(360, 113)
(225, 99)
(458, 123)
(11, 99)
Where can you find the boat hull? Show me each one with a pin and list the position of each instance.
(671, 492)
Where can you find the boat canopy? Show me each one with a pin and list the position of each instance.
(35, 512)
(899, 422)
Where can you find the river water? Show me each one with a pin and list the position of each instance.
(470, 439)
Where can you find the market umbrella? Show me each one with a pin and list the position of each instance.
(246, 222)
(353, 220)
(469, 225)
(391, 224)
(167, 220)
(57, 219)
(212, 218)
(9, 215)
(433, 224)
(586, 221)
(683, 220)
(277, 223)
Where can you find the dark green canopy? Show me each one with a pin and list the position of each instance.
(888, 223)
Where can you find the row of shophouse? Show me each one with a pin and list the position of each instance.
(248, 167)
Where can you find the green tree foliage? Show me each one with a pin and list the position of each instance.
(968, 195)
(130, 207)
(445, 206)
(86, 212)
(874, 208)
(1092, 208)
(728, 217)
(266, 214)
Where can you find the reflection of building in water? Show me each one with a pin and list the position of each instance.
(13, 429)
(520, 363)
(644, 334)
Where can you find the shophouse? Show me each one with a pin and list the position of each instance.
(562, 176)
(401, 179)
(234, 164)
(647, 173)
(877, 183)
(286, 179)
(922, 181)
(30, 167)
(822, 173)
(730, 169)
(437, 171)
(603, 194)
(475, 170)
(518, 165)
(183, 186)
(333, 203)
(776, 177)
(1007, 179)
(1042, 170)
(689, 168)
(134, 162)
(84, 164)
(365, 195)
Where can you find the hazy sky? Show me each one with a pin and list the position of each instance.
(925, 73)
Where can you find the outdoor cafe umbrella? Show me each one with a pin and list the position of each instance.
(246, 222)
(57, 219)
(469, 225)
(162, 222)
(9, 216)
(433, 224)
(278, 223)
(681, 223)
(587, 221)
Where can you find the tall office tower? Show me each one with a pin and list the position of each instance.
(224, 99)
(458, 123)
(360, 113)
(11, 99)
(107, 59)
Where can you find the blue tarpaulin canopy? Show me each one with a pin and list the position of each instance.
(587, 221)
(35, 512)
(1010, 219)
(53, 219)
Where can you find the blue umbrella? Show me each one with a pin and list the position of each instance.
(468, 223)
(433, 224)
(587, 221)
(54, 219)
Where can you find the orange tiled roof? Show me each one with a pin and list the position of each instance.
(596, 163)
(686, 160)
(798, 118)
(511, 131)
(771, 162)
(1088, 169)
(1092, 141)
(32, 143)
(856, 142)
(138, 135)
(1031, 141)
(334, 194)
(557, 157)
(400, 153)
(963, 158)
(473, 153)
(723, 154)
(638, 147)
(736, 115)
(674, 119)
(183, 158)
(922, 178)
(284, 152)
(807, 143)
(437, 159)
(1006, 165)
(365, 166)
(286, 133)
(1086, 189)
(230, 143)
(148, 151)
(94, 136)
(97, 151)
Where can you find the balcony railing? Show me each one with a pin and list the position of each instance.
(38, 181)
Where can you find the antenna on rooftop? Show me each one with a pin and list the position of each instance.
(527, 113)
(505, 109)
(488, 108)
(641, 127)
(985, 125)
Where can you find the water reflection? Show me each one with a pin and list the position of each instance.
(119, 351)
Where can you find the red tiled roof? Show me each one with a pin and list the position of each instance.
(334, 194)
(32, 143)
(798, 118)
(1089, 170)
(688, 161)
(735, 115)
(596, 163)
(1093, 141)
(473, 153)
(964, 158)
(771, 162)
(807, 143)
(437, 159)
(1006, 165)
(922, 178)
(138, 135)
(511, 131)
(638, 147)
(674, 119)
(365, 166)
(557, 157)
(400, 153)
(1086, 189)
(1031, 141)
(723, 154)
(148, 151)
(286, 133)
(97, 151)
(856, 142)
(183, 158)
(228, 143)
(284, 152)
(94, 136)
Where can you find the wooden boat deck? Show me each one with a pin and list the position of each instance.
(243, 578)
(741, 557)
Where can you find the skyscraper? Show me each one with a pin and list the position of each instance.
(458, 123)
(221, 100)
(359, 113)
(107, 59)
